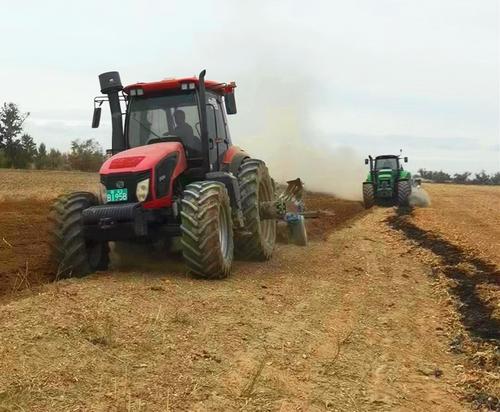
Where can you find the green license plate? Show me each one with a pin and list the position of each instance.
(117, 195)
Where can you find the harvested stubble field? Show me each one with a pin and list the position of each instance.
(382, 311)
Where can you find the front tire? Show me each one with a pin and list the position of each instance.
(256, 186)
(75, 255)
(368, 195)
(404, 191)
(207, 231)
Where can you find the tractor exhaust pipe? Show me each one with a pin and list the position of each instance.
(111, 85)
(372, 172)
(203, 122)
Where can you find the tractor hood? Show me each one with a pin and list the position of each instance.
(141, 158)
(385, 174)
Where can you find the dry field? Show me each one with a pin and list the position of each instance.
(385, 310)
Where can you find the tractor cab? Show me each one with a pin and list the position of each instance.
(387, 163)
(170, 110)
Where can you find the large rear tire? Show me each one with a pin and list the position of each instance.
(207, 230)
(368, 195)
(73, 254)
(404, 191)
(256, 186)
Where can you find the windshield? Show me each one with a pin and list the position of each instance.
(164, 118)
(391, 163)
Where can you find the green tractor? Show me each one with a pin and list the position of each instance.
(387, 182)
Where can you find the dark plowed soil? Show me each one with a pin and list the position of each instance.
(333, 213)
(474, 285)
(24, 257)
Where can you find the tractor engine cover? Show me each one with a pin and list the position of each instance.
(161, 163)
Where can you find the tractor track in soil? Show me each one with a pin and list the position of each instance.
(468, 271)
(474, 284)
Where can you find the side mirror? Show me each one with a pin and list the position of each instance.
(230, 101)
(96, 118)
(366, 161)
(406, 159)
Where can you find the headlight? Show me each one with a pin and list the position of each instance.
(142, 190)
(102, 194)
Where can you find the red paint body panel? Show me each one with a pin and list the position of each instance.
(124, 162)
(175, 84)
(231, 152)
(150, 156)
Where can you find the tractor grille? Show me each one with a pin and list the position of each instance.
(163, 173)
(128, 181)
(384, 184)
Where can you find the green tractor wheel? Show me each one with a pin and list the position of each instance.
(368, 195)
(404, 191)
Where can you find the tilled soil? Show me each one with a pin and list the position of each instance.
(24, 252)
(345, 324)
(365, 318)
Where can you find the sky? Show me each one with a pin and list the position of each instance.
(369, 76)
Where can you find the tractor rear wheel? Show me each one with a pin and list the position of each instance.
(207, 230)
(75, 255)
(256, 186)
(404, 190)
(368, 195)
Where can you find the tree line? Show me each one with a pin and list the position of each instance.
(481, 178)
(19, 150)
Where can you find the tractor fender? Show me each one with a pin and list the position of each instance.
(233, 159)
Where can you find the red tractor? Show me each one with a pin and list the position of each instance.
(174, 171)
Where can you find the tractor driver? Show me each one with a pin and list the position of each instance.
(185, 132)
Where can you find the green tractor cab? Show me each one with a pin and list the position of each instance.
(386, 182)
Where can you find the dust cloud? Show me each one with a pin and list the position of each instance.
(290, 152)
(419, 197)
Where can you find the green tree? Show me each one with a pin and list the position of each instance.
(27, 152)
(11, 123)
(86, 155)
(11, 126)
(482, 178)
(55, 160)
(41, 157)
(461, 177)
(495, 179)
(4, 162)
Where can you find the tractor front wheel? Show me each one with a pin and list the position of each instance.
(368, 195)
(256, 186)
(73, 254)
(404, 191)
(207, 229)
